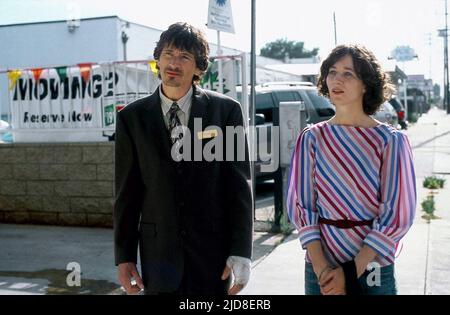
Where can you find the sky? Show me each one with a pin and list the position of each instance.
(381, 25)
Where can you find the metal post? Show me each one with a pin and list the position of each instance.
(96, 118)
(278, 178)
(80, 77)
(10, 103)
(335, 31)
(446, 81)
(253, 96)
(244, 101)
(405, 92)
(124, 41)
(71, 96)
(52, 123)
(219, 63)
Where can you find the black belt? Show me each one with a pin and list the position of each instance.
(345, 224)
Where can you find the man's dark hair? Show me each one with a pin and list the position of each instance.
(368, 69)
(185, 37)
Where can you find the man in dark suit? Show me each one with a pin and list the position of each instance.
(192, 218)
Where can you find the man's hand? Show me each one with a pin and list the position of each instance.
(333, 282)
(241, 267)
(126, 272)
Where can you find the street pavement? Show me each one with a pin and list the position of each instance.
(36, 259)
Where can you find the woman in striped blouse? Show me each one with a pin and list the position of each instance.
(352, 193)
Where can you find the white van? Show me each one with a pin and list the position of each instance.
(387, 114)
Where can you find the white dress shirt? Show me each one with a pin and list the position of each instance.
(184, 103)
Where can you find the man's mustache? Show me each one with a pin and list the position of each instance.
(175, 70)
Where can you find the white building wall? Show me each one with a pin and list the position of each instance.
(51, 44)
(141, 41)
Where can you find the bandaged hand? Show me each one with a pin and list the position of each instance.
(240, 268)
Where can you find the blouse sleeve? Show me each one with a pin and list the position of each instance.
(398, 197)
(301, 194)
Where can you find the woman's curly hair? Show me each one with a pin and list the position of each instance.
(378, 87)
(185, 37)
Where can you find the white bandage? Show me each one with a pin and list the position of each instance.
(241, 267)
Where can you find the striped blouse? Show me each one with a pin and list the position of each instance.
(344, 172)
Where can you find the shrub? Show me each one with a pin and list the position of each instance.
(428, 205)
(433, 182)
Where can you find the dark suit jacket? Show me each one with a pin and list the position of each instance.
(186, 217)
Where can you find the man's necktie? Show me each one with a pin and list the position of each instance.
(174, 121)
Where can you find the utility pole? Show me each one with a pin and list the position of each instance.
(335, 31)
(428, 42)
(219, 63)
(446, 77)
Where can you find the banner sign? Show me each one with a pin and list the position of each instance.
(80, 103)
(210, 80)
(112, 105)
(76, 97)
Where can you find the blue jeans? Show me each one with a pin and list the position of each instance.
(374, 282)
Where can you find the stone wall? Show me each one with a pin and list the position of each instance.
(61, 184)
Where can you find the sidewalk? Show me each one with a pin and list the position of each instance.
(34, 258)
(423, 266)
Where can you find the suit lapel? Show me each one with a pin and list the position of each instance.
(157, 125)
(199, 109)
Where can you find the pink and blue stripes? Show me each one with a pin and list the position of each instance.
(343, 172)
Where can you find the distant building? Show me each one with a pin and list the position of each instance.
(310, 71)
(314, 59)
(306, 71)
(418, 81)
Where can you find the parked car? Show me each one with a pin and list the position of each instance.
(399, 108)
(387, 114)
(5, 131)
(269, 95)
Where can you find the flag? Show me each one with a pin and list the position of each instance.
(85, 70)
(152, 65)
(62, 73)
(13, 76)
(37, 73)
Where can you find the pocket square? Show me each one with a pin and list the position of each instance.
(207, 134)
